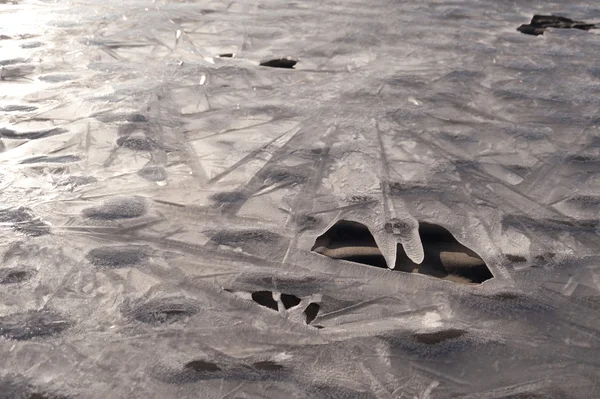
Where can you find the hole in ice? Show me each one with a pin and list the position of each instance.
(229, 197)
(116, 256)
(137, 142)
(265, 298)
(163, 311)
(539, 23)
(350, 241)
(201, 366)
(280, 63)
(117, 208)
(311, 312)
(437, 337)
(444, 258)
(226, 55)
(516, 258)
(153, 173)
(15, 275)
(32, 324)
(267, 365)
(47, 159)
(289, 301)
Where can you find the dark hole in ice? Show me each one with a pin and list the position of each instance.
(279, 63)
(351, 241)
(201, 366)
(115, 256)
(40, 134)
(226, 55)
(311, 312)
(137, 142)
(229, 197)
(18, 108)
(32, 324)
(117, 208)
(15, 275)
(153, 173)
(265, 298)
(163, 311)
(437, 337)
(267, 365)
(539, 23)
(444, 258)
(516, 258)
(47, 159)
(289, 301)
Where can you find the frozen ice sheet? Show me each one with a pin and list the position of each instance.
(205, 199)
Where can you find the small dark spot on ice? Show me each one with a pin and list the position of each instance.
(137, 142)
(34, 135)
(226, 55)
(539, 24)
(32, 324)
(116, 256)
(163, 311)
(47, 159)
(23, 220)
(153, 173)
(265, 298)
(201, 366)
(280, 63)
(267, 365)
(15, 275)
(516, 258)
(229, 197)
(117, 208)
(32, 45)
(437, 337)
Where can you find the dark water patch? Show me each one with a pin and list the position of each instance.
(153, 173)
(117, 256)
(18, 108)
(280, 63)
(229, 197)
(162, 311)
(15, 275)
(226, 55)
(137, 142)
(49, 159)
(437, 337)
(265, 298)
(289, 300)
(311, 312)
(32, 324)
(118, 208)
(34, 135)
(539, 24)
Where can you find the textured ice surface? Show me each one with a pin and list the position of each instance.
(161, 194)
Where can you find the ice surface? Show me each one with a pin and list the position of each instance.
(168, 170)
